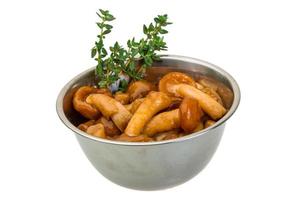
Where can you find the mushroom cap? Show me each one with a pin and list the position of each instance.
(80, 104)
(139, 89)
(174, 78)
(190, 114)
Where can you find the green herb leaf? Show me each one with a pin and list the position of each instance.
(123, 85)
(109, 17)
(151, 27)
(106, 31)
(104, 52)
(132, 61)
(145, 30)
(163, 31)
(93, 52)
(103, 12)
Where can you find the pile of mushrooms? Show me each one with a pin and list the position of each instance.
(145, 112)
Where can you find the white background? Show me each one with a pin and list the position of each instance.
(43, 44)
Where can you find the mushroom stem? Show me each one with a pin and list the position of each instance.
(163, 122)
(207, 103)
(110, 107)
(154, 102)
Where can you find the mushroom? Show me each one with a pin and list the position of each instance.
(213, 94)
(139, 89)
(224, 92)
(199, 86)
(190, 114)
(209, 123)
(134, 105)
(208, 83)
(139, 138)
(163, 122)
(199, 127)
(153, 103)
(176, 101)
(209, 105)
(122, 97)
(181, 85)
(84, 126)
(105, 104)
(166, 135)
(111, 108)
(84, 108)
(96, 130)
(174, 78)
(187, 117)
(122, 117)
(110, 128)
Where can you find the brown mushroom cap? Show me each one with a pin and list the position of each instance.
(173, 78)
(139, 89)
(190, 114)
(80, 104)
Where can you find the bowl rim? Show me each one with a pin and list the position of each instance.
(231, 111)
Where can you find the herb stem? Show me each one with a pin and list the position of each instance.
(121, 60)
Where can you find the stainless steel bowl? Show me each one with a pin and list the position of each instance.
(150, 165)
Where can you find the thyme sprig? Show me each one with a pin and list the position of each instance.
(124, 60)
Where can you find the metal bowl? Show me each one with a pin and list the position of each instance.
(150, 165)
